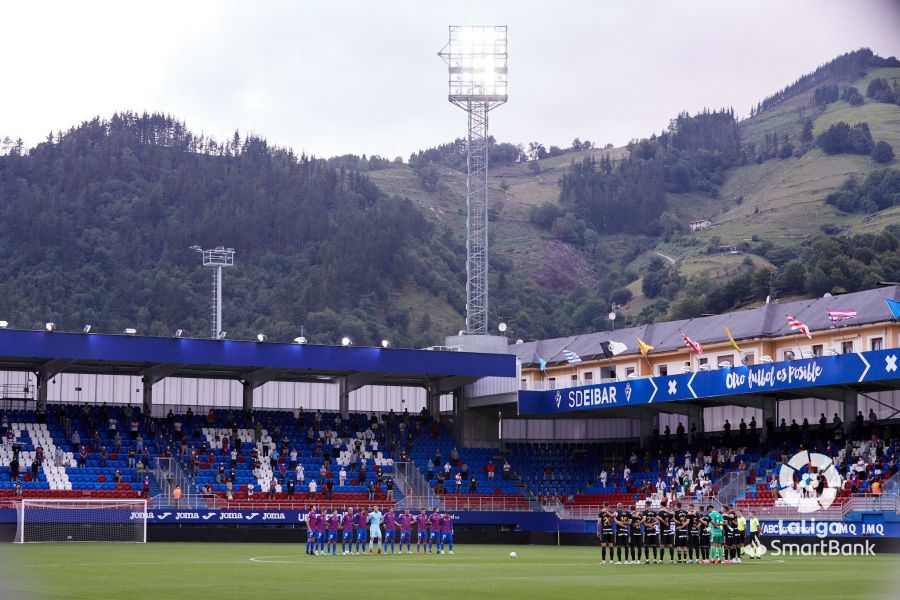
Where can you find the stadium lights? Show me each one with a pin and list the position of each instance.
(178, 332)
(346, 341)
(477, 70)
(520, 341)
(86, 329)
(300, 340)
(4, 324)
(130, 331)
(221, 335)
(261, 337)
(385, 343)
(50, 326)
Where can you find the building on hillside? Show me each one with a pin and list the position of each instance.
(700, 224)
(762, 334)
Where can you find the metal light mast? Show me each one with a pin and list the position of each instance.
(216, 258)
(476, 58)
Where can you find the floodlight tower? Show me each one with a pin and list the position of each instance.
(476, 58)
(216, 258)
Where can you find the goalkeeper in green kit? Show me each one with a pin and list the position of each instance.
(716, 536)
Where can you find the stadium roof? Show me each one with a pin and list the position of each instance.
(227, 359)
(766, 321)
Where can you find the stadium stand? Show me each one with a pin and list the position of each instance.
(108, 452)
(76, 452)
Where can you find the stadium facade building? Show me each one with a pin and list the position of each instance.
(762, 334)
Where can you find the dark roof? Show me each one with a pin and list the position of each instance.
(761, 322)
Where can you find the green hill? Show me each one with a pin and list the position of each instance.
(98, 221)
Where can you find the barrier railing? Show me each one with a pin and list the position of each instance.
(417, 493)
(462, 502)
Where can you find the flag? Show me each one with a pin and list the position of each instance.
(571, 357)
(611, 348)
(894, 307)
(840, 315)
(542, 364)
(796, 325)
(731, 338)
(695, 346)
(644, 346)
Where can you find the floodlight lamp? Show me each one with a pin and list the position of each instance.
(346, 341)
(50, 326)
(130, 331)
(86, 329)
(196, 248)
(261, 337)
(4, 324)
(221, 335)
(385, 343)
(520, 341)
(178, 332)
(502, 327)
(300, 340)
(476, 58)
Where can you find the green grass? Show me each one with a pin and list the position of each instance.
(198, 571)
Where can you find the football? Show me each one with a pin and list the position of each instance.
(513, 555)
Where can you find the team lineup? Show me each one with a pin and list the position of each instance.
(356, 528)
(692, 536)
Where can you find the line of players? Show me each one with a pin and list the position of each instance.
(354, 528)
(685, 533)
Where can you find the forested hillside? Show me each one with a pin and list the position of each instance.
(801, 198)
(97, 222)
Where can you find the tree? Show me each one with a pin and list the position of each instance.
(806, 136)
(883, 153)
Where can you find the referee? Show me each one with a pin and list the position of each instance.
(755, 541)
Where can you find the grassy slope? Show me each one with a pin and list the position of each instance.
(534, 253)
(783, 201)
(199, 571)
(789, 194)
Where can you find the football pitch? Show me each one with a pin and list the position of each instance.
(221, 571)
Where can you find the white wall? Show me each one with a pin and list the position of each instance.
(180, 392)
(570, 429)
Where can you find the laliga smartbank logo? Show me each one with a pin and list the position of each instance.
(802, 469)
(823, 546)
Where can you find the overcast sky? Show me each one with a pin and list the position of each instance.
(363, 76)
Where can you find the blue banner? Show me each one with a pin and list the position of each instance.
(842, 369)
(530, 521)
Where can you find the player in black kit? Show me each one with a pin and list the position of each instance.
(623, 524)
(681, 532)
(637, 538)
(732, 537)
(605, 532)
(651, 535)
(704, 534)
(667, 533)
(693, 535)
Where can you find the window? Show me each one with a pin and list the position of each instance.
(749, 359)
(552, 383)
(663, 370)
(729, 358)
(575, 379)
(702, 361)
(817, 349)
(629, 371)
(523, 384)
(610, 374)
(789, 355)
(847, 347)
(876, 343)
(589, 377)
